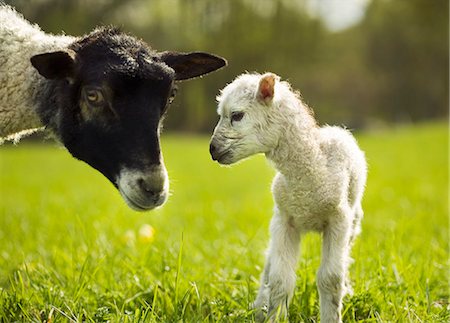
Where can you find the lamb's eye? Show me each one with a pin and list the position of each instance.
(94, 96)
(237, 116)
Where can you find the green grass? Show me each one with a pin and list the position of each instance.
(70, 249)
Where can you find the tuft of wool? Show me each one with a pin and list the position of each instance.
(20, 83)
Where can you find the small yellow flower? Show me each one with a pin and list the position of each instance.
(146, 233)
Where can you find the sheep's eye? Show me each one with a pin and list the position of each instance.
(237, 116)
(94, 96)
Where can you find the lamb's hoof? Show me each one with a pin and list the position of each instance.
(260, 312)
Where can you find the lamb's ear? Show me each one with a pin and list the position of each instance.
(54, 65)
(266, 87)
(190, 65)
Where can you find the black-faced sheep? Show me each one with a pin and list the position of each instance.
(102, 95)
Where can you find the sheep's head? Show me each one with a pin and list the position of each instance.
(108, 94)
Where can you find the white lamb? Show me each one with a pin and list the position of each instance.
(318, 187)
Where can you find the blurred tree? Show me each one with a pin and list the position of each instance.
(391, 67)
(407, 51)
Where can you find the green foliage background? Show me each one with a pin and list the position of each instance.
(391, 67)
(70, 249)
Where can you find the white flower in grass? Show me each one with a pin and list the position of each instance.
(146, 233)
(129, 237)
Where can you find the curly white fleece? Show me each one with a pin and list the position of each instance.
(20, 83)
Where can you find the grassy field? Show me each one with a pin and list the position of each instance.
(70, 250)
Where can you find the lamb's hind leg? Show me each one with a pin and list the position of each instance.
(333, 270)
(278, 278)
(355, 231)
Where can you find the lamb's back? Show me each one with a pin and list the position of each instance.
(346, 163)
(339, 146)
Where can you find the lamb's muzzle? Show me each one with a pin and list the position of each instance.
(222, 156)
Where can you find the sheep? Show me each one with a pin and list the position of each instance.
(102, 95)
(319, 185)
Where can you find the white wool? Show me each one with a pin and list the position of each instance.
(318, 187)
(20, 83)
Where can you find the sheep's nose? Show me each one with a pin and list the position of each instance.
(144, 190)
(150, 186)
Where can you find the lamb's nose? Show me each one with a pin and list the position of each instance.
(212, 150)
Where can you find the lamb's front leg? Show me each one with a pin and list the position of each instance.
(278, 278)
(332, 272)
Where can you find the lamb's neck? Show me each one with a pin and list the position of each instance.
(25, 89)
(298, 148)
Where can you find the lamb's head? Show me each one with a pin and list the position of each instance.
(110, 92)
(246, 113)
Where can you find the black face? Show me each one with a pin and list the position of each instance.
(115, 121)
(109, 94)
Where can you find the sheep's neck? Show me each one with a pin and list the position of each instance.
(25, 89)
(22, 122)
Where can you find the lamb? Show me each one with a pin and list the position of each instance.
(102, 95)
(319, 185)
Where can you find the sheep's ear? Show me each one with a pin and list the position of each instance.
(55, 65)
(190, 65)
(266, 87)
